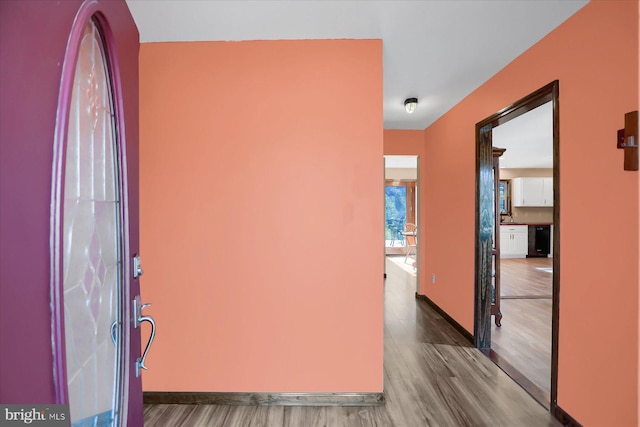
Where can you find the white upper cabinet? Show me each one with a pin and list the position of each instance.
(532, 192)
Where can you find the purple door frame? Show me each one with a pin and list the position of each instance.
(33, 37)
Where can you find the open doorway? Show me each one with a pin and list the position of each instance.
(517, 259)
(525, 263)
(401, 214)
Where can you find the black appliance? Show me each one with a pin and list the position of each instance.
(539, 241)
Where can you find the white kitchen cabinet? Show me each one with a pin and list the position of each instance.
(532, 192)
(514, 241)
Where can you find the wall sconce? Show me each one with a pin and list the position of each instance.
(628, 140)
(410, 104)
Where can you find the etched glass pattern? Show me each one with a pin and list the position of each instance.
(91, 241)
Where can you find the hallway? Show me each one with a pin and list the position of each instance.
(432, 377)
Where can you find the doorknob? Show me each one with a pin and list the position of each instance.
(138, 318)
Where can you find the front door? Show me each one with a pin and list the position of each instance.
(97, 296)
(69, 209)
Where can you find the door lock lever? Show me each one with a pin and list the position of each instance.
(137, 269)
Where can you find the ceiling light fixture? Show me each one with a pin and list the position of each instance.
(410, 104)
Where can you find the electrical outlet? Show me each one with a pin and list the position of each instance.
(433, 278)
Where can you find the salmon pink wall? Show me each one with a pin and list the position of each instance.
(401, 142)
(594, 55)
(260, 212)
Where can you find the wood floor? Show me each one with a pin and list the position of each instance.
(524, 340)
(526, 277)
(432, 377)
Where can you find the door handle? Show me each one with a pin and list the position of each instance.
(137, 321)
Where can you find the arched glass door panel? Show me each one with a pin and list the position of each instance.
(92, 242)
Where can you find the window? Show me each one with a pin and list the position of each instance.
(400, 203)
(504, 197)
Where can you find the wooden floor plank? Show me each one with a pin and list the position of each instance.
(432, 377)
(255, 416)
(524, 277)
(208, 416)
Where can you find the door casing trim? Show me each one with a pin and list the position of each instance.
(482, 301)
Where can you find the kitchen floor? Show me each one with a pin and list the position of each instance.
(524, 340)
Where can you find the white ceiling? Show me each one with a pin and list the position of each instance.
(401, 162)
(437, 51)
(528, 139)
